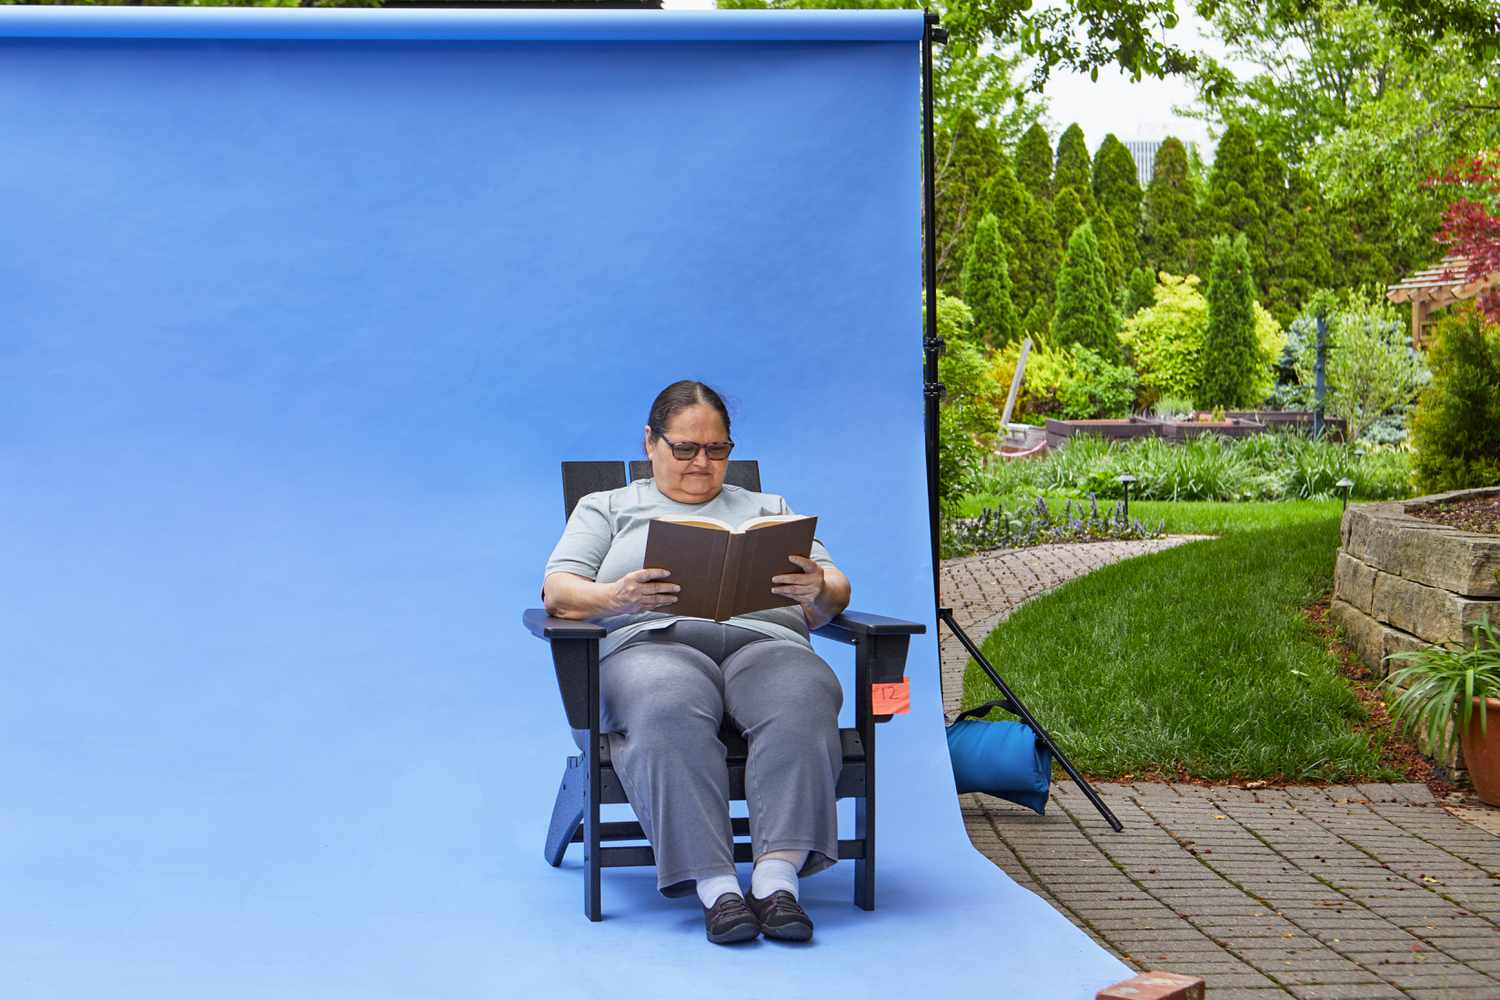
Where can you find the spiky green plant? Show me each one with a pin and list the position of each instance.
(1440, 686)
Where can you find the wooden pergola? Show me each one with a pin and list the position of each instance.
(1438, 287)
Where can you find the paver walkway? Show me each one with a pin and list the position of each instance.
(1367, 891)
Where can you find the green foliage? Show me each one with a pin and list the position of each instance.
(1371, 366)
(1117, 189)
(1271, 466)
(1003, 197)
(1072, 168)
(967, 420)
(1165, 339)
(1038, 255)
(1300, 261)
(1039, 523)
(1140, 291)
(986, 286)
(1456, 428)
(1034, 162)
(1109, 249)
(1435, 690)
(970, 155)
(1231, 358)
(1068, 213)
(1236, 194)
(1085, 312)
(1170, 227)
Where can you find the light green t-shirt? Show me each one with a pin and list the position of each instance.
(606, 538)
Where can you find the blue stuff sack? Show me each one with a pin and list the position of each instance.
(1004, 759)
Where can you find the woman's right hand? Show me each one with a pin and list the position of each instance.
(638, 591)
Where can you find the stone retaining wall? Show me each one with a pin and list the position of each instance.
(1403, 583)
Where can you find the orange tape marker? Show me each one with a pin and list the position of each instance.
(891, 699)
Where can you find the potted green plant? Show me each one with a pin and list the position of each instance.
(1447, 694)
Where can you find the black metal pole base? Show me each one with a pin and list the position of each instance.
(1014, 704)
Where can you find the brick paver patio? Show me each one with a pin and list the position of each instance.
(1365, 891)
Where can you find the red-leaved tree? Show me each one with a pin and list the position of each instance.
(1470, 227)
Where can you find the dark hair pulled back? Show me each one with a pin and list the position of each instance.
(678, 397)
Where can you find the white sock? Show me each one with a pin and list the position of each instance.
(777, 870)
(710, 889)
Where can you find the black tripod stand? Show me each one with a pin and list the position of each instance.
(932, 391)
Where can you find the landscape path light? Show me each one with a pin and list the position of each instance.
(1125, 481)
(1346, 484)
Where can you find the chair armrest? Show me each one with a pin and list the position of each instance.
(544, 626)
(852, 626)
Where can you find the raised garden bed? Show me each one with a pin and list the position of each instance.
(1334, 428)
(1477, 512)
(1058, 431)
(1185, 430)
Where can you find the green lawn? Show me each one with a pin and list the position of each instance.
(1196, 660)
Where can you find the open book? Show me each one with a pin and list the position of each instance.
(726, 571)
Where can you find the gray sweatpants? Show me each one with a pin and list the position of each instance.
(664, 695)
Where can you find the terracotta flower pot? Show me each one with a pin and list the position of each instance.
(1482, 753)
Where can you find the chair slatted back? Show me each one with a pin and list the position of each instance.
(581, 478)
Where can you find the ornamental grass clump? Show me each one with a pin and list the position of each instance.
(1437, 688)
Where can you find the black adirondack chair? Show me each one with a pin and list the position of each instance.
(589, 778)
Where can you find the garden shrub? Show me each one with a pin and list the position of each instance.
(1165, 342)
(967, 420)
(1456, 427)
(1372, 369)
(1230, 353)
(1085, 312)
(986, 285)
(1067, 383)
(1140, 291)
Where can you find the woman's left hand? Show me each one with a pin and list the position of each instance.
(804, 587)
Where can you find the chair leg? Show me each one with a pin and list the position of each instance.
(567, 813)
(591, 838)
(864, 868)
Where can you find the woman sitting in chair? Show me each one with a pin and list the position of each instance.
(668, 682)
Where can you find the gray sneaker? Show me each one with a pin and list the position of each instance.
(729, 921)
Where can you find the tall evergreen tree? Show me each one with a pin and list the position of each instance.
(1231, 356)
(1085, 312)
(1068, 213)
(1035, 262)
(1109, 250)
(1236, 194)
(1006, 199)
(986, 286)
(1072, 168)
(973, 155)
(1169, 213)
(1117, 189)
(1034, 162)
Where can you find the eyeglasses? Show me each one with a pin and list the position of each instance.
(686, 451)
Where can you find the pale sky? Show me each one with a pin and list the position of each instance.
(1114, 104)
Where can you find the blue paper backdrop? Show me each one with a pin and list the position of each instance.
(293, 337)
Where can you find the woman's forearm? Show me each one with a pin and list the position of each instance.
(567, 595)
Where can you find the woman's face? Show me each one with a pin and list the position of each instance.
(697, 480)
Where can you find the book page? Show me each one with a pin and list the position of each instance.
(697, 521)
(767, 520)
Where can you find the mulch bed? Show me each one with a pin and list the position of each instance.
(1397, 751)
(1479, 514)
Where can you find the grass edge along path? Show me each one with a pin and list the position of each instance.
(1197, 662)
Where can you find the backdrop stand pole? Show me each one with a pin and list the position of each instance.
(932, 392)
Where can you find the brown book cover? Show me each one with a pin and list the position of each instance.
(726, 571)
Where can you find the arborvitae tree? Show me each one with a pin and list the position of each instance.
(1169, 213)
(1231, 356)
(1280, 232)
(1006, 199)
(1072, 168)
(1117, 189)
(1068, 213)
(1038, 322)
(1365, 250)
(1140, 291)
(972, 154)
(1305, 265)
(1236, 192)
(1034, 163)
(1036, 260)
(986, 286)
(1085, 312)
(1109, 249)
